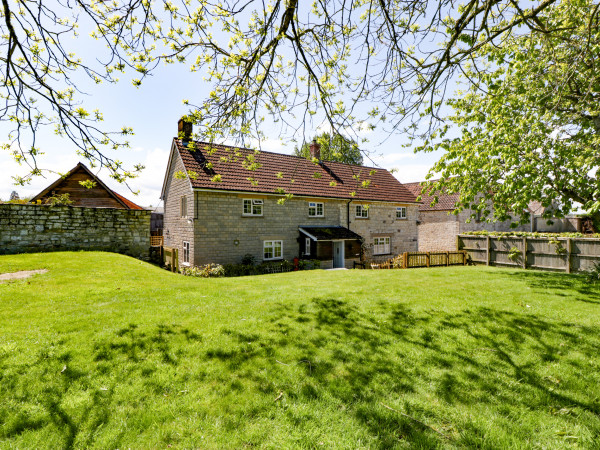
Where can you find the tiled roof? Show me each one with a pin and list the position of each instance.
(279, 173)
(328, 233)
(445, 202)
(129, 203)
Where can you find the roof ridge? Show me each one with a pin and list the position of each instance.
(284, 154)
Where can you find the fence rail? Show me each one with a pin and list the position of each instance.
(156, 241)
(409, 260)
(171, 258)
(542, 253)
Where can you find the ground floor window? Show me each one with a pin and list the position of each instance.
(381, 245)
(272, 249)
(186, 252)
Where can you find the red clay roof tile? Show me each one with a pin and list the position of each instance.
(445, 202)
(280, 173)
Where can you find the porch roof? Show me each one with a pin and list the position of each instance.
(329, 233)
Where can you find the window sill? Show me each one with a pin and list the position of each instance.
(382, 254)
(250, 216)
(273, 259)
(186, 264)
(316, 217)
(361, 218)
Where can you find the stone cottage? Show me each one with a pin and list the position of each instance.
(222, 203)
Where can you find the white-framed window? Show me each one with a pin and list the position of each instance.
(253, 207)
(362, 212)
(315, 209)
(307, 246)
(381, 245)
(272, 250)
(184, 206)
(401, 212)
(186, 252)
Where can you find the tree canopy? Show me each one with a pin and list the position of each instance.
(351, 64)
(529, 124)
(333, 148)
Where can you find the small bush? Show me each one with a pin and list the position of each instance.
(240, 270)
(248, 260)
(207, 271)
(593, 275)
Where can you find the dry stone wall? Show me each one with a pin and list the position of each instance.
(42, 228)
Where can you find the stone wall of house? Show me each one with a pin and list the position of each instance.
(437, 231)
(224, 234)
(41, 228)
(382, 222)
(178, 225)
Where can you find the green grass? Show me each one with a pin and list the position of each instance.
(107, 351)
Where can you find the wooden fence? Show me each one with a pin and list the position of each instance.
(409, 260)
(542, 253)
(171, 258)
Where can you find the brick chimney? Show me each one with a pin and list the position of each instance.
(184, 129)
(315, 150)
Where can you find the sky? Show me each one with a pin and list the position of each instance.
(152, 110)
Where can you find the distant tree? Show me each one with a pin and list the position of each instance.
(334, 148)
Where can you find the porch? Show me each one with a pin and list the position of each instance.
(335, 246)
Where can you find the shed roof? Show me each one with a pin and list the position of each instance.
(329, 233)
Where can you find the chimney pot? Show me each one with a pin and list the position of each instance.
(184, 129)
(315, 150)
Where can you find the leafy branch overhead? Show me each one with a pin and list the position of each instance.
(529, 124)
(279, 61)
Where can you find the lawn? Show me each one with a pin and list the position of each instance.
(107, 351)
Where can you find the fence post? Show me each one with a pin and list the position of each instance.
(525, 252)
(568, 255)
(427, 259)
(464, 253)
(447, 258)
(487, 251)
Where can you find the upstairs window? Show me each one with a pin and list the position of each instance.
(381, 245)
(315, 209)
(253, 207)
(184, 206)
(362, 212)
(401, 212)
(272, 250)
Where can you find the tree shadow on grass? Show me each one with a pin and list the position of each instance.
(40, 395)
(402, 377)
(560, 284)
(379, 362)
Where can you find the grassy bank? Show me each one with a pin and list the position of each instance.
(107, 351)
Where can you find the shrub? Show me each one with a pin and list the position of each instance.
(248, 260)
(240, 270)
(593, 275)
(207, 271)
